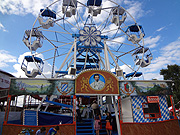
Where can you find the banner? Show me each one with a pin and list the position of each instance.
(151, 88)
(92, 82)
(25, 86)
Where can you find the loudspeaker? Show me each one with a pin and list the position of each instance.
(119, 72)
(72, 71)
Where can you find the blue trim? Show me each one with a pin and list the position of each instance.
(78, 35)
(53, 114)
(94, 54)
(30, 59)
(59, 104)
(104, 37)
(137, 74)
(75, 35)
(79, 53)
(94, 49)
(102, 44)
(78, 43)
(90, 47)
(65, 72)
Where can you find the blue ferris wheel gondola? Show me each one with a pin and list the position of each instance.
(140, 50)
(34, 72)
(137, 74)
(135, 33)
(30, 59)
(91, 2)
(48, 13)
(134, 28)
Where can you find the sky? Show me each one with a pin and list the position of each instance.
(159, 19)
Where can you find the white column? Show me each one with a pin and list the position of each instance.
(116, 114)
(75, 52)
(62, 65)
(107, 65)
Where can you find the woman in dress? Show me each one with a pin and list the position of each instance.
(108, 124)
(97, 123)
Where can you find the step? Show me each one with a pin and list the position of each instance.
(85, 134)
(84, 127)
(84, 123)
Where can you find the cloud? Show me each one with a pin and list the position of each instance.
(151, 42)
(2, 27)
(168, 55)
(150, 76)
(6, 58)
(22, 7)
(160, 29)
(134, 8)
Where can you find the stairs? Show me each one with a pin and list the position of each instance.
(87, 128)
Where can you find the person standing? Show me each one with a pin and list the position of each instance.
(53, 131)
(97, 123)
(41, 131)
(178, 116)
(108, 123)
(95, 107)
(79, 118)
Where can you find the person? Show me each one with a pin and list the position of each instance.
(95, 107)
(79, 118)
(178, 116)
(108, 123)
(41, 131)
(97, 84)
(97, 123)
(53, 131)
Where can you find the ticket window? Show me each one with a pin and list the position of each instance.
(151, 110)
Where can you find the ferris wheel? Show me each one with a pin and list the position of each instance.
(76, 35)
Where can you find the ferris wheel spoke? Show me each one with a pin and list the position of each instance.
(63, 28)
(113, 2)
(111, 39)
(52, 49)
(55, 31)
(78, 15)
(122, 43)
(85, 58)
(55, 56)
(109, 31)
(106, 25)
(125, 64)
(103, 22)
(128, 52)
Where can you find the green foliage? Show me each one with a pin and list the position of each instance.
(173, 73)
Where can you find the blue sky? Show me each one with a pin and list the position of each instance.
(160, 21)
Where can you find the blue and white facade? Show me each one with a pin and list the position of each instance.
(132, 110)
(137, 109)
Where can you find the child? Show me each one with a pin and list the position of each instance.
(53, 131)
(41, 131)
(108, 124)
(97, 123)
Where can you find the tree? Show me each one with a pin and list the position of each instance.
(173, 73)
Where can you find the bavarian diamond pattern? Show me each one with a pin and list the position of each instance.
(138, 111)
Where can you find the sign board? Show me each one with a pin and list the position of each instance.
(91, 82)
(146, 88)
(30, 117)
(4, 81)
(39, 86)
(153, 99)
